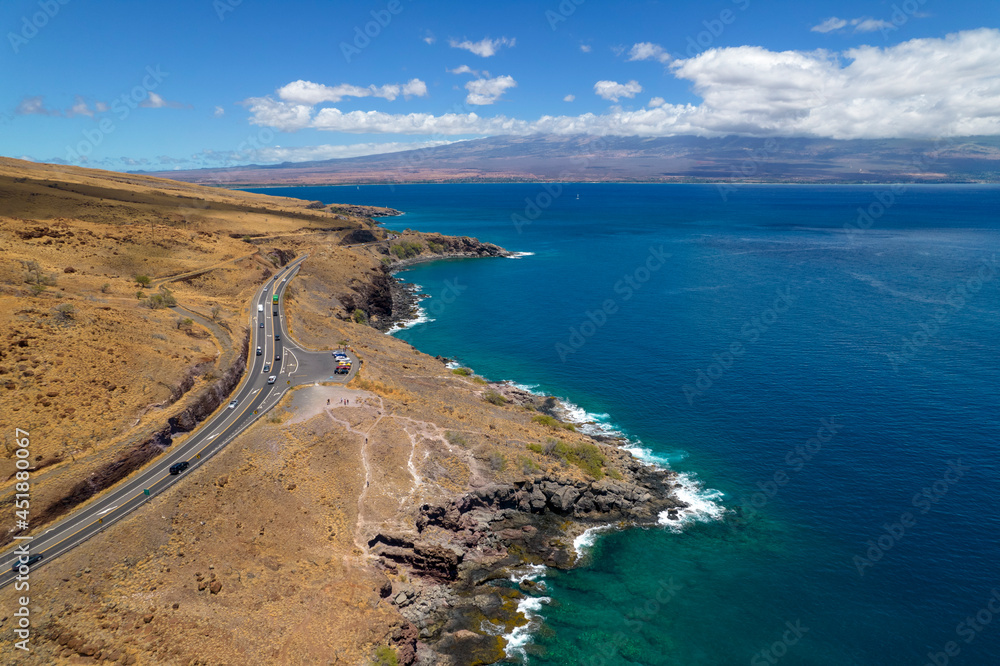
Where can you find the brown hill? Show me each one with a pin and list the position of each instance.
(325, 533)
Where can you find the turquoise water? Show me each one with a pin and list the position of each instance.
(819, 380)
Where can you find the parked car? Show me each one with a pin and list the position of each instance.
(338, 354)
(177, 468)
(232, 405)
(341, 371)
(18, 563)
(270, 380)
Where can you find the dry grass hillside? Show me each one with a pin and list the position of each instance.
(260, 555)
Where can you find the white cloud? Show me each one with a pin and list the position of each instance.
(487, 91)
(463, 69)
(307, 92)
(154, 101)
(219, 111)
(101, 107)
(648, 51)
(585, 48)
(429, 38)
(921, 88)
(485, 47)
(34, 106)
(829, 25)
(612, 90)
(655, 102)
(861, 24)
(871, 25)
(275, 154)
(569, 98)
(80, 108)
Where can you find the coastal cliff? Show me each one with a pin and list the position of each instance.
(391, 519)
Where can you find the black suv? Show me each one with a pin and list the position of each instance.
(18, 564)
(177, 468)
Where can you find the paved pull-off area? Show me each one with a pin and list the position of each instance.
(285, 360)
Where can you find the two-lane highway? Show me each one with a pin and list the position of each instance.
(279, 357)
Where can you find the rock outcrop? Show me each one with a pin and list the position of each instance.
(462, 548)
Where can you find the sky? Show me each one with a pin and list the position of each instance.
(212, 83)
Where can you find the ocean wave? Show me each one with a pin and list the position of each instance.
(703, 504)
(519, 637)
(585, 541)
(518, 255)
(420, 317)
(530, 607)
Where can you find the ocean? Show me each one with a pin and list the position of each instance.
(820, 363)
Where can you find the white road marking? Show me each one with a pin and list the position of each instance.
(101, 513)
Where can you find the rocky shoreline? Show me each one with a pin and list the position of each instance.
(404, 295)
(464, 556)
(464, 562)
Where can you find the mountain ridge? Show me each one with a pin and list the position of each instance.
(583, 158)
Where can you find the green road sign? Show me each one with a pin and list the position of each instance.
(145, 490)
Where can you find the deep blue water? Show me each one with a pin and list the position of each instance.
(891, 336)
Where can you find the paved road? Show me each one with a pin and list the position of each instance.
(284, 359)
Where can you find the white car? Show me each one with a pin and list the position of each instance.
(233, 404)
(270, 380)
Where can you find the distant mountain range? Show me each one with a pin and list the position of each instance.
(636, 159)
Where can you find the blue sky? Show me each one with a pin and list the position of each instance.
(190, 83)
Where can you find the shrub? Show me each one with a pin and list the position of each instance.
(498, 462)
(494, 398)
(479, 380)
(65, 311)
(385, 656)
(456, 438)
(106, 287)
(37, 289)
(529, 466)
(140, 295)
(155, 301)
(465, 372)
(167, 297)
(587, 457)
(406, 249)
(359, 316)
(553, 422)
(142, 280)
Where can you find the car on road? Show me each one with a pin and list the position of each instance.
(262, 324)
(342, 371)
(270, 380)
(18, 563)
(277, 357)
(275, 313)
(277, 336)
(259, 352)
(267, 366)
(232, 405)
(177, 468)
(340, 354)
